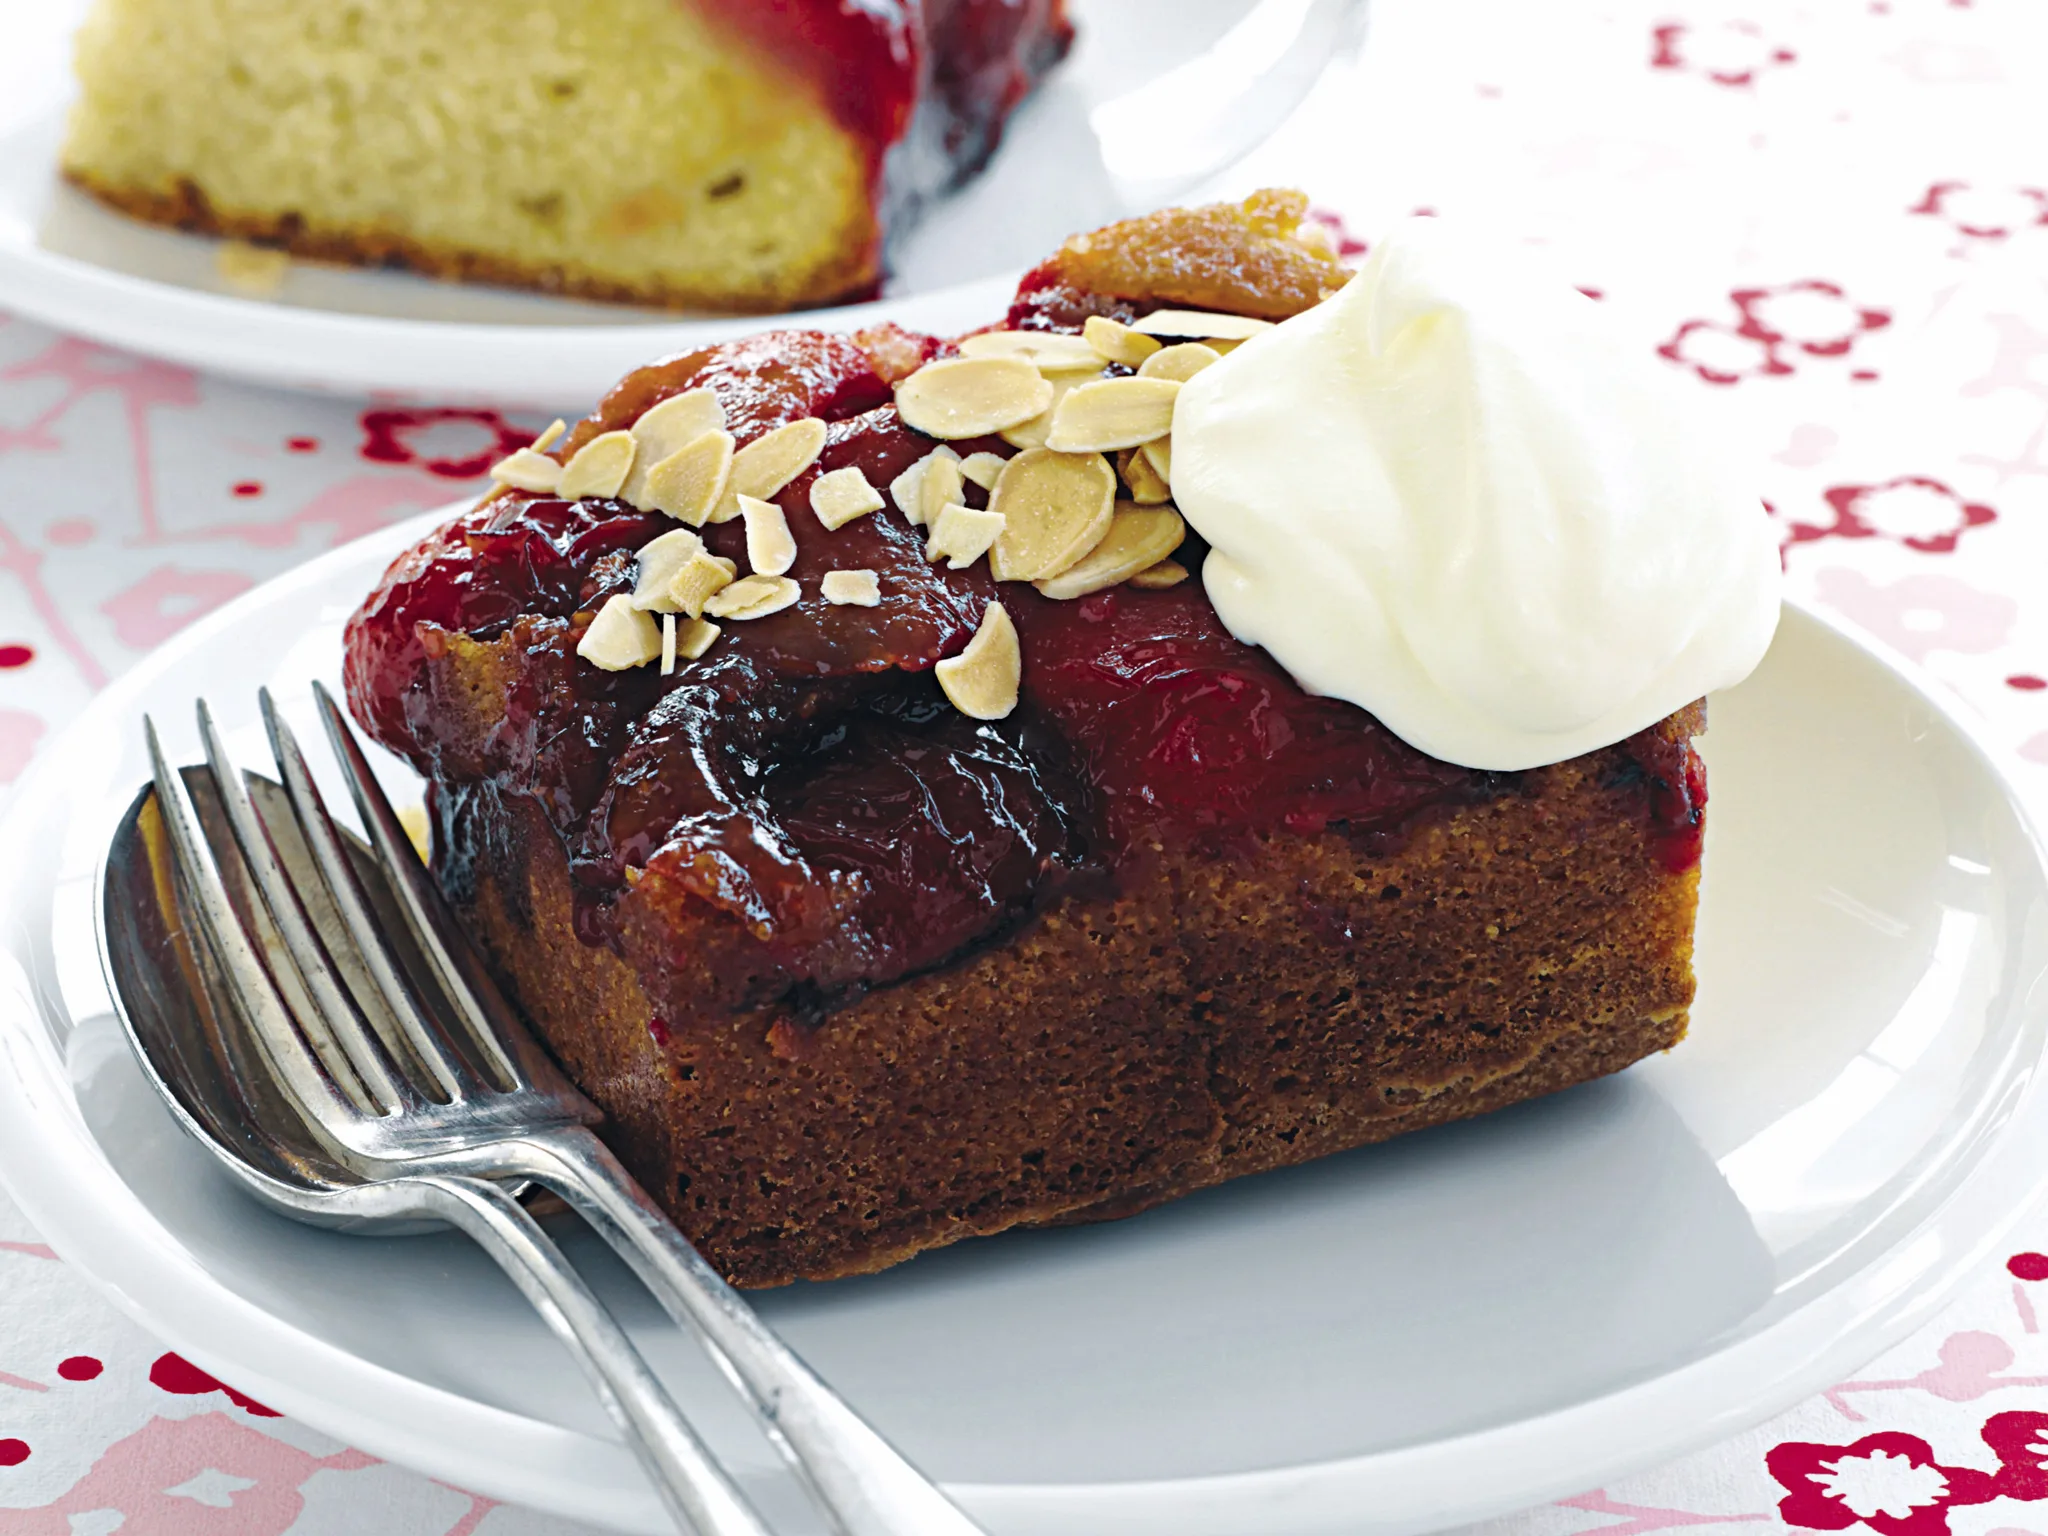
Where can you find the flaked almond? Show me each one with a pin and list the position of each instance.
(1112, 413)
(982, 469)
(528, 470)
(1147, 489)
(1201, 325)
(907, 489)
(770, 462)
(1138, 539)
(841, 495)
(771, 549)
(1117, 342)
(971, 396)
(1181, 361)
(668, 644)
(943, 485)
(982, 681)
(675, 423)
(419, 831)
(1047, 351)
(698, 580)
(253, 269)
(552, 436)
(1055, 508)
(961, 535)
(691, 481)
(854, 589)
(1223, 346)
(620, 637)
(694, 637)
(599, 467)
(753, 597)
(1157, 578)
(1159, 454)
(659, 560)
(1033, 432)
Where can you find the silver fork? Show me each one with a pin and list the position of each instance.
(337, 986)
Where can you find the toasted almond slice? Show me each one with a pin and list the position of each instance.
(1138, 539)
(943, 485)
(982, 681)
(1117, 342)
(599, 467)
(528, 470)
(754, 597)
(1159, 454)
(962, 535)
(659, 560)
(620, 637)
(675, 423)
(1113, 413)
(770, 462)
(668, 644)
(856, 589)
(1156, 578)
(419, 831)
(1181, 361)
(1032, 433)
(907, 489)
(692, 480)
(842, 495)
(1147, 489)
(1047, 351)
(771, 549)
(982, 469)
(971, 396)
(1201, 325)
(1055, 508)
(695, 582)
(253, 269)
(695, 638)
(552, 436)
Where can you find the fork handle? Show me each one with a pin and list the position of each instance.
(696, 1490)
(861, 1481)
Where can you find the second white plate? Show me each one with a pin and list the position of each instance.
(1157, 96)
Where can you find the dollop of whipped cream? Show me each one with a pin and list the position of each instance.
(1450, 495)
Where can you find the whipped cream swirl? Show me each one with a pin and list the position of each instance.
(1450, 495)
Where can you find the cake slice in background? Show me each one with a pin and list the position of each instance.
(722, 154)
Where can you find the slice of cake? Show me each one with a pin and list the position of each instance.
(745, 154)
(835, 745)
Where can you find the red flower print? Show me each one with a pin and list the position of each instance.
(1733, 54)
(1914, 510)
(453, 443)
(1772, 327)
(1889, 1482)
(1980, 213)
(2021, 1441)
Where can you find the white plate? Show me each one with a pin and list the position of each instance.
(1453, 1325)
(1157, 96)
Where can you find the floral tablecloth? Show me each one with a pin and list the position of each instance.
(1831, 216)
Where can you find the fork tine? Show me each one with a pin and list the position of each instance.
(301, 954)
(291, 1060)
(382, 972)
(468, 987)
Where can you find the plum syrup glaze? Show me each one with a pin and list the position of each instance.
(806, 778)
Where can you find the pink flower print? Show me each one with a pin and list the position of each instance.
(1918, 615)
(1732, 54)
(454, 443)
(1970, 1365)
(1981, 213)
(166, 600)
(1917, 511)
(20, 731)
(1644, 1519)
(1887, 1481)
(1772, 327)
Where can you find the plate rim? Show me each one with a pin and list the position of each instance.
(1398, 1489)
